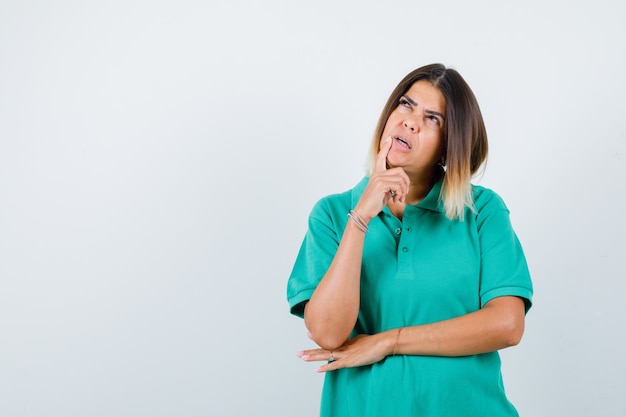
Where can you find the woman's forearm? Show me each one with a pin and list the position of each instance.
(332, 311)
(498, 325)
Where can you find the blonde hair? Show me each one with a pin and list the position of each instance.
(464, 134)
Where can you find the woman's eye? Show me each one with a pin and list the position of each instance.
(435, 120)
(404, 102)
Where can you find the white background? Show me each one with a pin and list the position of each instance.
(158, 161)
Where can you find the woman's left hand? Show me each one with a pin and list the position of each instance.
(358, 351)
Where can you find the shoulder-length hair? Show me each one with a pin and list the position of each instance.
(464, 134)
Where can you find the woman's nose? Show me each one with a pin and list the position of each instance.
(410, 124)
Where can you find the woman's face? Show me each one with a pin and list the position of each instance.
(416, 128)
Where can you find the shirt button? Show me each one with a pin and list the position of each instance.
(398, 231)
(405, 249)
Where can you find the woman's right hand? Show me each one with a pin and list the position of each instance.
(384, 184)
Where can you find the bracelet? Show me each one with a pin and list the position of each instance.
(358, 220)
(395, 346)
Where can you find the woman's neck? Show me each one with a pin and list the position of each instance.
(420, 186)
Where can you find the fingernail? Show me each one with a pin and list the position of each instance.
(388, 139)
(319, 370)
(309, 335)
(299, 353)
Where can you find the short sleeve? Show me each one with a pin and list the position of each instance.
(314, 258)
(504, 270)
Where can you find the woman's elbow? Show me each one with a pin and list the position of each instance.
(329, 336)
(326, 339)
(512, 330)
(328, 342)
(509, 318)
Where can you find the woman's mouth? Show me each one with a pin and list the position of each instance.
(403, 143)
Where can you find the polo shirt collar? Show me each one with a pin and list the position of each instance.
(431, 202)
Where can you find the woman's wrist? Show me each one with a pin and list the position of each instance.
(358, 221)
(363, 213)
(391, 340)
(396, 341)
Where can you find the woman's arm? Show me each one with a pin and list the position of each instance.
(499, 324)
(331, 313)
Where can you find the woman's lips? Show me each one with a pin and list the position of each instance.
(404, 144)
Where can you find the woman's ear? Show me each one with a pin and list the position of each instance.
(442, 161)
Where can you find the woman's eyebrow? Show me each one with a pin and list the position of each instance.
(410, 100)
(432, 112)
(435, 113)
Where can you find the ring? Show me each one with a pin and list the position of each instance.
(332, 358)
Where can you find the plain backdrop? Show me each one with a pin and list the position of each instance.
(158, 161)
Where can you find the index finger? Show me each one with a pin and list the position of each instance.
(381, 159)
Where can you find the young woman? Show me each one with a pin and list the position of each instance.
(413, 280)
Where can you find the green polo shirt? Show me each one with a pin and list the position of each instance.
(422, 269)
